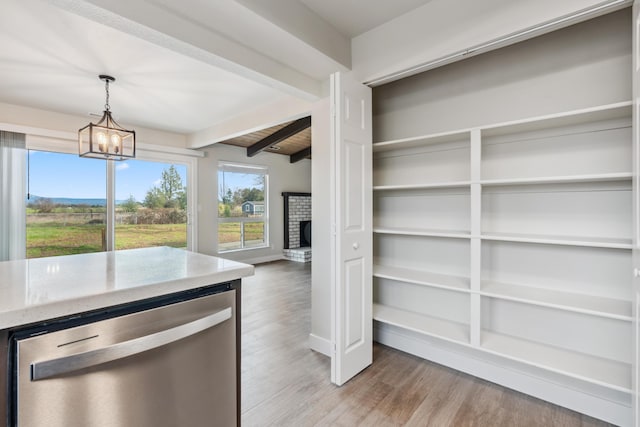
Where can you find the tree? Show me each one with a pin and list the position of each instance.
(171, 193)
(130, 205)
(224, 204)
(171, 184)
(182, 199)
(228, 197)
(242, 195)
(154, 198)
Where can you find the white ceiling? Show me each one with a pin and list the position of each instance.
(169, 74)
(354, 17)
(50, 59)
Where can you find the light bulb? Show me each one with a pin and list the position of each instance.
(116, 142)
(102, 141)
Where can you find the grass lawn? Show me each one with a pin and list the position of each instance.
(130, 236)
(52, 240)
(229, 232)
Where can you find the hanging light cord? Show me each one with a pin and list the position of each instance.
(106, 89)
(28, 174)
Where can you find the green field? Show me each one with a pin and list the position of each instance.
(230, 231)
(140, 236)
(52, 240)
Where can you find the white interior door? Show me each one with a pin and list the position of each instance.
(351, 184)
(636, 212)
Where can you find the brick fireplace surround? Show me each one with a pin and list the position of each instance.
(297, 208)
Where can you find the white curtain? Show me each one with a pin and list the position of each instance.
(13, 194)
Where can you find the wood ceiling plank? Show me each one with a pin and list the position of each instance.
(286, 147)
(279, 136)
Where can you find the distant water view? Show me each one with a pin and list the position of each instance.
(67, 201)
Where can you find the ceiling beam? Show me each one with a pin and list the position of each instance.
(282, 110)
(279, 136)
(299, 155)
(296, 19)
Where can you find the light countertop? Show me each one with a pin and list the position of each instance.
(35, 290)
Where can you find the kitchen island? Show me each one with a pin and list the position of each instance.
(50, 291)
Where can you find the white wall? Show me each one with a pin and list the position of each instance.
(580, 66)
(443, 27)
(320, 338)
(283, 177)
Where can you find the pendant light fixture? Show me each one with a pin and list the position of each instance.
(106, 139)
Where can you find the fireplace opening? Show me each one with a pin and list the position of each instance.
(305, 234)
(297, 212)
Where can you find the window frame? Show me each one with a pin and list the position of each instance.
(60, 142)
(236, 167)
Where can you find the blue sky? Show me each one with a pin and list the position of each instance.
(68, 175)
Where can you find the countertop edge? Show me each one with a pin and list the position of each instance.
(58, 309)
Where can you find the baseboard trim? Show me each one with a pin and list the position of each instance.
(490, 368)
(319, 344)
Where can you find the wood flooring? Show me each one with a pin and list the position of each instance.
(284, 383)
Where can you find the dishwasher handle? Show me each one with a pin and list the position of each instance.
(63, 365)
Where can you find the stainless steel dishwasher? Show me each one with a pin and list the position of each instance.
(168, 365)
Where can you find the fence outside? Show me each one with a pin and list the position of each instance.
(143, 216)
(65, 233)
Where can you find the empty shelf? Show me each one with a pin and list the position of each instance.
(452, 184)
(598, 242)
(608, 373)
(441, 328)
(559, 179)
(457, 234)
(421, 277)
(588, 304)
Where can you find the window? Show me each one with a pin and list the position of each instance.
(242, 207)
(80, 205)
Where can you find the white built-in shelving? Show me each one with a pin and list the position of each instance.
(421, 141)
(604, 177)
(423, 324)
(421, 277)
(513, 239)
(604, 372)
(561, 240)
(440, 161)
(453, 234)
(456, 184)
(571, 301)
